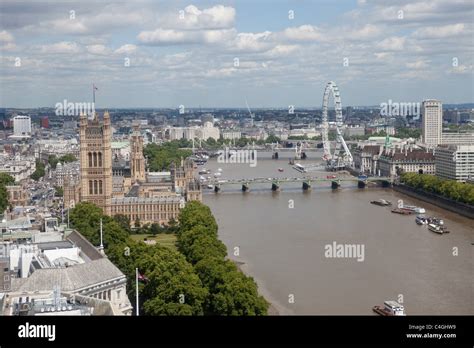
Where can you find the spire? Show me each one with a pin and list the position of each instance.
(106, 118)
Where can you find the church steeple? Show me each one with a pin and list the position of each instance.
(137, 160)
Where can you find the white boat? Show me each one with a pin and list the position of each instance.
(216, 175)
(299, 167)
(435, 228)
(421, 220)
(210, 187)
(394, 308)
(418, 210)
(219, 170)
(202, 178)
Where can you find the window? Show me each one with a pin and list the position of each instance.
(90, 159)
(90, 187)
(95, 187)
(100, 187)
(100, 159)
(95, 159)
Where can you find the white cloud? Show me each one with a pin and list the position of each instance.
(392, 44)
(366, 32)
(60, 47)
(128, 48)
(303, 33)
(216, 17)
(419, 64)
(440, 32)
(64, 26)
(99, 50)
(251, 42)
(5, 36)
(282, 51)
(164, 36)
(171, 36)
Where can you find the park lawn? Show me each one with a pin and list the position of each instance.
(167, 240)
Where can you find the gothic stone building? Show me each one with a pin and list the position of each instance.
(121, 186)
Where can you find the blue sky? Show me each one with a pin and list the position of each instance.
(401, 50)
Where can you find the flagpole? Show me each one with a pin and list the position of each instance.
(136, 287)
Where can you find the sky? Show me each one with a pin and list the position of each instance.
(271, 53)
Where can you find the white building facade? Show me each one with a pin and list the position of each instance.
(21, 126)
(455, 162)
(432, 122)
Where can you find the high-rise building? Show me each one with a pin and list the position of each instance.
(455, 162)
(96, 161)
(21, 126)
(45, 122)
(432, 122)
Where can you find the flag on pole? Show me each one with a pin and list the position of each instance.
(95, 87)
(142, 278)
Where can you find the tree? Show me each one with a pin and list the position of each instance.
(85, 217)
(39, 171)
(137, 223)
(211, 142)
(205, 246)
(3, 198)
(124, 222)
(272, 139)
(230, 291)
(160, 157)
(155, 228)
(458, 191)
(53, 161)
(67, 158)
(196, 213)
(6, 179)
(173, 288)
(59, 191)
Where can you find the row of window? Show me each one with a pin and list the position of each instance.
(95, 187)
(95, 159)
(147, 207)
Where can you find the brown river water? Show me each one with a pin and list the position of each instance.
(281, 239)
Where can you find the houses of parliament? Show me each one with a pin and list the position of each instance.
(123, 186)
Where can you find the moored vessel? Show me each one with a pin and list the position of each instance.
(413, 208)
(390, 308)
(381, 202)
(435, 228)
(401, 211)
(421, 220)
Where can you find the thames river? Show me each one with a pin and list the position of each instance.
(281, 238)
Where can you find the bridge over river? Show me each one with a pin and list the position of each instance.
(306, 182)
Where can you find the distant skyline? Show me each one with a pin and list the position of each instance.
(163, 54)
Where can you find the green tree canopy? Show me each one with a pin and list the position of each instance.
(160, 157)
(67, 158)
(173, 288)
(39, 171)
(458, 191)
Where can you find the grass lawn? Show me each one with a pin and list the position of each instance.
(167, 240)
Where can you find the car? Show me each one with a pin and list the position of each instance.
(331, 177)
